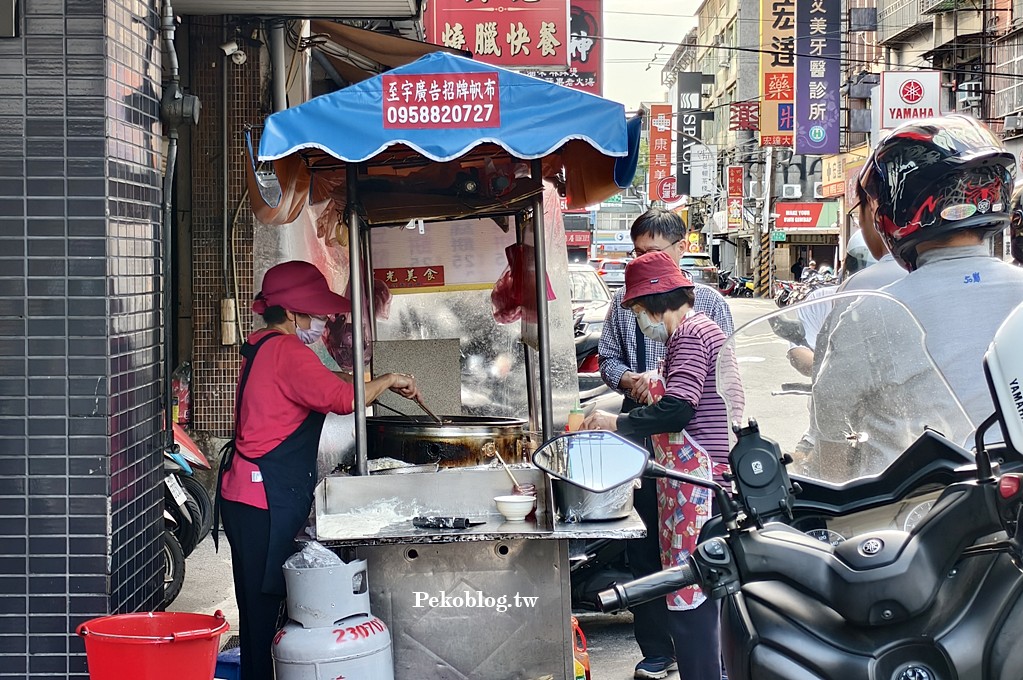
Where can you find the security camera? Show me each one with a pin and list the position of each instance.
(239, 57)
(233, 50)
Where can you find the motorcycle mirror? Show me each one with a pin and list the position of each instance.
(591, 460)
(1003, 364)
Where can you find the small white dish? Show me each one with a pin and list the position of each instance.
(515, 508)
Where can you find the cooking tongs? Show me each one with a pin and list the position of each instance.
(428, 411)
(421, 405)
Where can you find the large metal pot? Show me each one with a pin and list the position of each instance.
(580, 505)
(459, 441)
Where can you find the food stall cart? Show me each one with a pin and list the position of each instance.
(449, 139)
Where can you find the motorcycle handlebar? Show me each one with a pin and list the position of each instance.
(620, 597)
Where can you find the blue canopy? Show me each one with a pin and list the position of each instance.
(533, 119)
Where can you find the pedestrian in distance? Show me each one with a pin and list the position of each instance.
(625, 354)
(268, 470)
(687, 422)
(797, 269)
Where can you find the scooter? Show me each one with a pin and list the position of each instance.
(726, 284)
(906, 567)
(186, 498)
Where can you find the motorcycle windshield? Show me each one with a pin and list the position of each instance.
(843, 382)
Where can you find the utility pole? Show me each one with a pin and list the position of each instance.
(765, 254)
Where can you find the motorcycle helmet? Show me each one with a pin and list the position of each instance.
(931, 178)
(1016, 224)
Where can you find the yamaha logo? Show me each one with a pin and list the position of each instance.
(915, 673)
(872, 546)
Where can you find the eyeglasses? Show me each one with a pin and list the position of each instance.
(635, 252)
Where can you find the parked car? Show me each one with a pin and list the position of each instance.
(613, 272)
(700, 268)
(590, 298)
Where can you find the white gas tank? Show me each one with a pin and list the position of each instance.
(357, 648)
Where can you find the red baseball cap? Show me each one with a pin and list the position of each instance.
(652, 273)
(300, 287)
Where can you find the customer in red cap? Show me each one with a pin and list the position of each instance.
(268, 471)
(688, 427)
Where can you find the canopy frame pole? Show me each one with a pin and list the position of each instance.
(355, 295)
(543, 330)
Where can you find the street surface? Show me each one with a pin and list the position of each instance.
(613, 650)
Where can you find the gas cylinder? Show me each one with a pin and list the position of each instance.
(332, 633)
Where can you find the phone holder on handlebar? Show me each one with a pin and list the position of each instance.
(758, 470)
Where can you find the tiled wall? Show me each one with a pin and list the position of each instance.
(80, 472)
(215, 366)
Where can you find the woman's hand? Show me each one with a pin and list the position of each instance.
(404, 384)
(601, 420)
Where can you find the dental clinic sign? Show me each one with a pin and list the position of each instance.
(909, 95)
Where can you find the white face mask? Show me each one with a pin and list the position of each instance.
(313, 333)
(655, 331)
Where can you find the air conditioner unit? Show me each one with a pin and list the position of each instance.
(791, 191)
(756, 189)
(968, 94)
(1013, 122)
(818, 189)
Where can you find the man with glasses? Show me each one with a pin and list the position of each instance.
(625, 354)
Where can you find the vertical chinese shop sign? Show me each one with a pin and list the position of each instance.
(508, 33)
(818, 76)
(733, 186)
(777, 71)
(660, 148)
(585, 53)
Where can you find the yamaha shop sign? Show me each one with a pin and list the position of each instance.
(909, 95)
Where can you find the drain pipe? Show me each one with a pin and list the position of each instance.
(277, 67)
(176, 109)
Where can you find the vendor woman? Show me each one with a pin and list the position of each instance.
(265, 490)
(688, 428)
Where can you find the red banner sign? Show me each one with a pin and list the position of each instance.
(734, 187)
(586, 57)
(441, 100)
(660, 148)
(411, 277)
(577, 238)
(512, 33)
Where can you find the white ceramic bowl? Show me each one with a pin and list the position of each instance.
(515, 508)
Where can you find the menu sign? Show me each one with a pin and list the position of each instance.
(441, 100)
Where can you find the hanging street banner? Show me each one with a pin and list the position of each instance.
(659, 143)
(689, 103)
(909, 95)
(733, 175)
(704, 166)
(777, 71)
(585, 52)
(818, 76)
(509, 33)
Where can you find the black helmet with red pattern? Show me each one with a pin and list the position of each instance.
(931, 178)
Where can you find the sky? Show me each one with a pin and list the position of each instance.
(626, 77)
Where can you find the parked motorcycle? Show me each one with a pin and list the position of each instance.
(900, 559)
(187, 499)
(744, 286)
(726, 284)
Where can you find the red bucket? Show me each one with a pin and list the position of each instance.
(153, 645)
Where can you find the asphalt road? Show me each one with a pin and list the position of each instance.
(613, 650)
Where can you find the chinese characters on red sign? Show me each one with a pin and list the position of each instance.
(442, 100)
(659, 147)
(512, 33)
(733, 187)
(411, 277)
(585, 53)
(744, 116)
(777, 73)
(734, 213)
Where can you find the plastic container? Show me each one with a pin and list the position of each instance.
(153, 645)
(575, 419)
(582, 657)
(229, 665)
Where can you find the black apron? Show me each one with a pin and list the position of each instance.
(289, 479)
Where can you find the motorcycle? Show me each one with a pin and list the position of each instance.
(897, 555)
(744, 286)
(186, 498)
(726, 284)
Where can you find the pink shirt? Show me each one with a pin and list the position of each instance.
(286, 383)
(689, 374)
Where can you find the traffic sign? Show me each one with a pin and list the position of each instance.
(778, 236)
